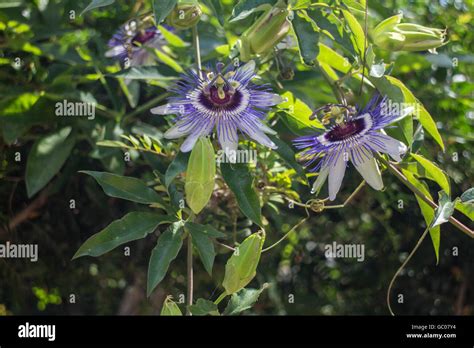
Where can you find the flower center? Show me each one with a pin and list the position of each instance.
(143, 37)
(345, 130)
(220, 98)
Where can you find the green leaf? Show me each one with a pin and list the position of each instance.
(11, 3)
(331, 26)
(297, 115)
(172, 39)
(444, 211)
(96, 4)
(146, 72)
(465, 208)
(243, 300)
(241, 267)
(169, 61)
(434, 172)
(11, 106)
(204, 307)
(204, 245)
(216, 7)
(165, 251)
(307, 37)
(133, 226)
(162, 8)
(200, 175)
(468, 196)
(170, 308)
(125, 187)
(333, 59)
(358, 36)
(178, 166)
(423, 115)
(207, 230)
(240, 181)
(112, 143)
(245, 8)
(288, 155)
(46, 158)
(426, 210)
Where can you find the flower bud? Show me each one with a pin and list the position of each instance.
(241, 268)
(392, 35)
(185, 15)
(170, 308)
(200, 175)
(269, 29)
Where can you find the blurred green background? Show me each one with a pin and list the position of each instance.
(62, 57)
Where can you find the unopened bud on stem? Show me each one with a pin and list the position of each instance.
(392, 35)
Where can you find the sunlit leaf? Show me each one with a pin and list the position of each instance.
(434, 172)
(358, 35)
(444, 211)
(426, 210)
(200, 175)
(170, 308)
(298, 114)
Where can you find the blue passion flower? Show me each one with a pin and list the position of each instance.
(357, 138)
(132, 45)
(225, 99)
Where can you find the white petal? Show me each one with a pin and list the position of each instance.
(161, 110)
(336, 174)
(115, 51)
(229, 140)
(403, 113)
(267, 129)
(369, 170)
(323, 174)
(391, 146)
(265, 99)
(190, 141)
(257, 134)
(177, 131)
(246, 72)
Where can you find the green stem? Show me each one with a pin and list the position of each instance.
(190, 274)
(403, 266)
(394, 170)
(197, 50)
(364, 59)
(348, 200)
(286, 234)
(220, 298)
